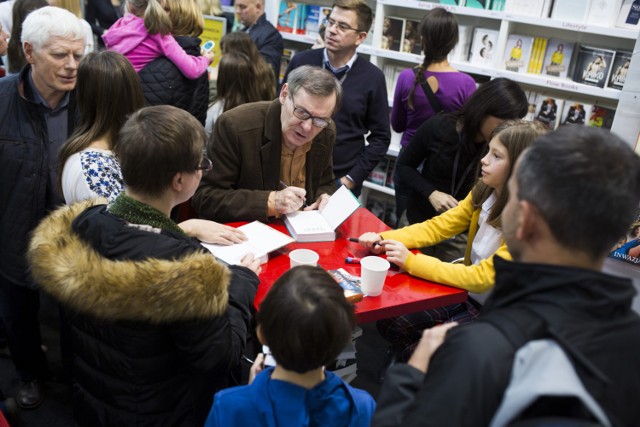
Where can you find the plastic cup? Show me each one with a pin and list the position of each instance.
(303, 257)
(373, 273)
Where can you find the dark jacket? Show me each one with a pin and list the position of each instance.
(156, 321)
(24, 163)
(436, 142)
(164, 84)
(245, 147)
(364, 110)
(269, 42)
(590, 314)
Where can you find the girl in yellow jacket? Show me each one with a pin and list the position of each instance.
(479, 214)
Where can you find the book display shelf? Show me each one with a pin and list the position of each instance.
(579, 86)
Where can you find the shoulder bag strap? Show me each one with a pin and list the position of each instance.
(435, 104)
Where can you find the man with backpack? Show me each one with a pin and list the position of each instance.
(573, 192)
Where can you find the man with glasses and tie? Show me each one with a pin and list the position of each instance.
(274, 157)
(365, 107)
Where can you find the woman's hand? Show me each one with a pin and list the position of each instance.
(251, 263)
(431, 340)
(442, 202)
(212, 232)
(397, 252)
(371, 241)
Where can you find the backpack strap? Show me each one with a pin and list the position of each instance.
(435, 104)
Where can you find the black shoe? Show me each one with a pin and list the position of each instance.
(389, 360)
(30, 394)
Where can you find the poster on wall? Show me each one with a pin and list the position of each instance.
(215, 28)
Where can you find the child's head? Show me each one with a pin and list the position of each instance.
(305, 319)
(509, 140)
(156, 19)
(438, 34)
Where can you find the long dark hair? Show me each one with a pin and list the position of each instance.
(15, 53)
(107, 92)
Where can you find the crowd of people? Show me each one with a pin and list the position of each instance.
(101, 143)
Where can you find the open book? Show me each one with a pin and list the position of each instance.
(261, 239)
(320, 226)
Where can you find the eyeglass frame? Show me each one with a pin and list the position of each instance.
(341, 26)
(306, 115)
(205, 164)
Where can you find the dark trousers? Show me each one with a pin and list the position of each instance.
(19, 307)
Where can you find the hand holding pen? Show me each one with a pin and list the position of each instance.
(289, 199)
(370, 241)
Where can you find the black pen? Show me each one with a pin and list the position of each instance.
(356, 240)
(304, 203)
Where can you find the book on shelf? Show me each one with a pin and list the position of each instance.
(603, 12)
(575, 113)
(453, 2)
(320, 226)
(411, 38)
(593, 65)
(548, 110)
(627, 248)
(558, 58)
(313, 19)
(391, 170)
(460, 52)
(478, 4)
(301, 19)
(370, 34)
(535, 8)
(379, 173)
(498, 5)
(518, 53)
(287, 16)
(601, 117)
(287, 54)
(391, 72)
(261, 240)
(619, 69)
(392, 32)
(482, 46)
(629, 15)
(531, 111)
(570, 10)
(537, 55)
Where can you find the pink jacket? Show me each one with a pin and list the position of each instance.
(129, 37)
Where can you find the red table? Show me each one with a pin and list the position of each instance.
(402, 293)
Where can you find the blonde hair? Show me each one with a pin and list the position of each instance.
(210, 7)
(72, 6)
(186, 17)
(156, 19)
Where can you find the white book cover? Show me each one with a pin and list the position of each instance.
(525, 7)
(570, 10)
(558, 57)
(261, 240)
(518, 53)
(575, 113)
(629, 15)
(320, 226)
(460, 52)
(603, 12)
(483, 46)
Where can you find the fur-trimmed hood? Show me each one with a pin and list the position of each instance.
(153, 290)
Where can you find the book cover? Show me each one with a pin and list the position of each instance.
(287, 54)
(349, 283)
(619, 68)
(525, 7)
(482, 46)
(313, 19)
(627, 248)
(593, 65)
(411, 39)
(379, 174)
(461, 50)
(558, 57)
(537, 55)
(601, 117)
(570, 10)
(287, 16)
(548, 110)
(518, 53)
(498, 5)
(575, 113)
(301, 19)
(532, 98)
(534, 51)
(371, 34)
(478, 4)
(629, 14)
(389, 182)
(392, 31)
(320, 226)
(453, 2)
(603, 12)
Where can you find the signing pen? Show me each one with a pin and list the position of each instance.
(352, 260)
(356, 240)
(284, 185)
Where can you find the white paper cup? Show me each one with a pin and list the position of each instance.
(303, 257)
(373, 273)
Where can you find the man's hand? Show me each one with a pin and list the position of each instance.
(431, 340)
(212, 232)
(397, 252)
(347, 182)
(442, 202)
(256, 368)
(319, 204)
(251, 263)
(289, 200)
(371, 241)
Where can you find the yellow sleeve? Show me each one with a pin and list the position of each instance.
(474, 278)
(442, 227)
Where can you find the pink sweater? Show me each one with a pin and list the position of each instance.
(129, 37)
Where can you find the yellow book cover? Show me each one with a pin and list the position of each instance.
(543, 50)
(534, 54)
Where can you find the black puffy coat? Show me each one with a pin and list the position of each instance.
(164, 84)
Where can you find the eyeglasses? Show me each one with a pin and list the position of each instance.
(302, 114)
(205, 164)
(342, 27)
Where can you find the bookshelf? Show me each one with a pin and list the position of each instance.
(505, 23)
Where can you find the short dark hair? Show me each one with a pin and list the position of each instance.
(361, 8)
(501, 98)
(586, 184)
(306, 319)
(156, 143)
